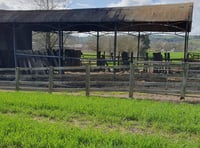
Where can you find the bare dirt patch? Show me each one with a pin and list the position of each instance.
(193, 99)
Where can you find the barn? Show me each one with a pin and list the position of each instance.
(16, 27)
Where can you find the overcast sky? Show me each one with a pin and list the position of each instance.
(28, 4)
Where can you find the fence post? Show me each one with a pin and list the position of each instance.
(131, 80)
(17, 78)
(87, 81)
(184, 82)
(50, 79)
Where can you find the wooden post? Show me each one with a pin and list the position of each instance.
(50, 79)
(184, 82)
(131, 80)
(17, 77)
(87, 81)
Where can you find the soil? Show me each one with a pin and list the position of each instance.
(193, 99)
(171, 98)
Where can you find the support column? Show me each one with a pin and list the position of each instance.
(186, 47)
(14, 45)
(115, 48)
(97, 53)
(60, 39)
(138, 52)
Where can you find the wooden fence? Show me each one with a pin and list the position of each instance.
(182, 79)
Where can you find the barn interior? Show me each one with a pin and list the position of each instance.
(17, 27)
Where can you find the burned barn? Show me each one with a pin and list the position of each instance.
(16, 29)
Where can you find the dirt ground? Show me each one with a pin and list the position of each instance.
(171, 98)
(193, 99)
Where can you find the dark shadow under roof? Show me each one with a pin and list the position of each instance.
(161, 18)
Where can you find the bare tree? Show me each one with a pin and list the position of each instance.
(124, 43)
(51, 4)
(127, 43)
(145, 44)
(50, 39)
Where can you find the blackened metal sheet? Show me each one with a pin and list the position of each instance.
(171, 17)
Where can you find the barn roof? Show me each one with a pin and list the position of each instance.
(164, 18)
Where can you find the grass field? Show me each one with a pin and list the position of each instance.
(45, 120)
(173, 55)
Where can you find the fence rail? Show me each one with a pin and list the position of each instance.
(181, 79)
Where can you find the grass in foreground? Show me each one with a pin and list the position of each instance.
(42, 120)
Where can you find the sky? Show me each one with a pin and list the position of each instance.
(74, 4)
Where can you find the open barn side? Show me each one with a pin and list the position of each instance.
(17, 27)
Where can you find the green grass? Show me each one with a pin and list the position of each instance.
(44, 120)
(177, 55)
(173, 55)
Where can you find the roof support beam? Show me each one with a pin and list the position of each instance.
(138, 52)
(115, 47)
(60, 39)
(98, 54)
(186, 44)
(186, 47)
(14, 44)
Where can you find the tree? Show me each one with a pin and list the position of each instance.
(50, 39)
(127, 43)
(51, 4)
(124, 43)
(167, 43)
(145, 44)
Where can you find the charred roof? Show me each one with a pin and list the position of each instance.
(166, 18)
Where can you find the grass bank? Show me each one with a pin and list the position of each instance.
(38, 120)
